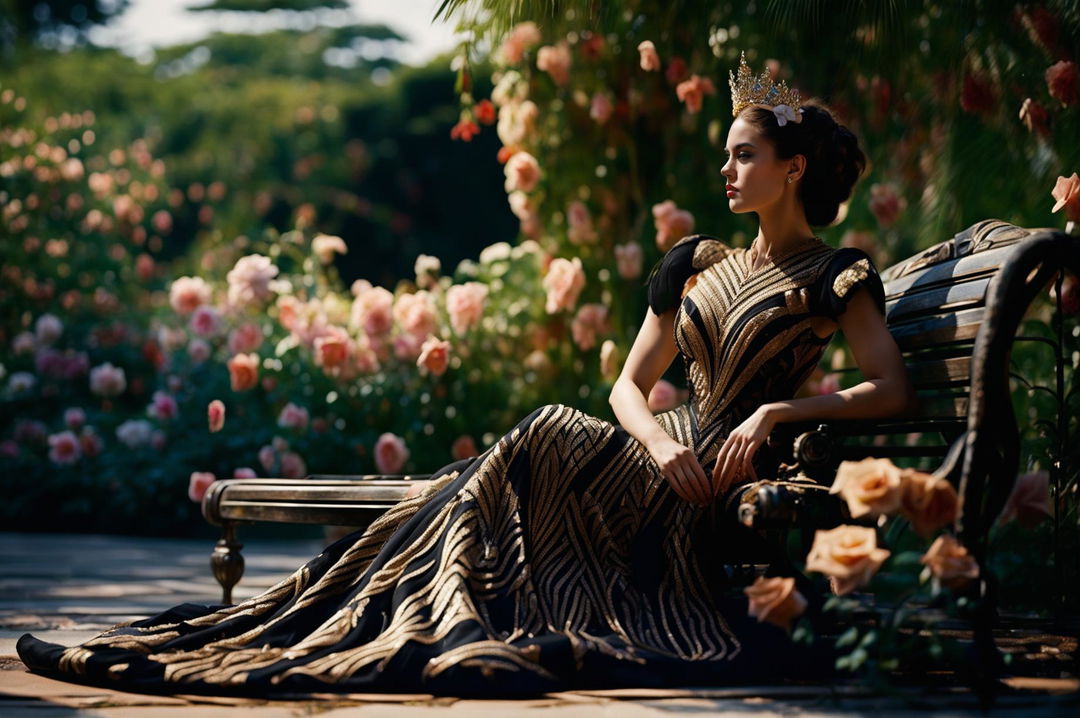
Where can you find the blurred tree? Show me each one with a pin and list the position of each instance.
(51, 23)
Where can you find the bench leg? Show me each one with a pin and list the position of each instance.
(226, 561)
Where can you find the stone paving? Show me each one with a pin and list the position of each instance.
(67, 588)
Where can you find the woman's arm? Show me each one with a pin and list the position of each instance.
(885, 392)
(652, 353)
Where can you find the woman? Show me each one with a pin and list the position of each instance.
(575, 552)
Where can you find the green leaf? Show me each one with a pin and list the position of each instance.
(848, 638)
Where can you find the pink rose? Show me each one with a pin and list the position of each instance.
(693, 91)
(390, 453)
(292, 466)
(205, 321)
(90, 442)
(590, 320)
(245, 338)
(663, 396)
(522, 172)
(249, 280)
(162, 221)
(198, 484)
(187, 294)
(1061, 81)
(520, 38)
(628, 259)
(649, 59)
(950, 563)
(1067, 193)
(243, 371)
(372, 310)
(775, 600)
(434, 356)
(244, 472)
(564, 281)
(215, 415)
(293, 417)
(198, 350)
(1029, 503)
(848, 555)
(580, 225)
(465, 305)
(107, 380)
(601, 107)
(325, 246)
(829, 384)
(332, 349)
(407, 346)
(886, 203)
(74, 418)
(672, 224)
(365, 358)
(267, 458)
(415, 313)
(464, 447)
(555, 60)
(48, 328)
(162, 407)
(64, 448)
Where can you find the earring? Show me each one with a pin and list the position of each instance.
(789, 180)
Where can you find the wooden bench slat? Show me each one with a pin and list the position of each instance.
(344, 491)
(938, 372)
(933, 301)
(304, 513)
(938, 329)
(949, 272)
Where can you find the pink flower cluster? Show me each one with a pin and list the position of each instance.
(672, 224)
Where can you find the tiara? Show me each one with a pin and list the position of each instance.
(761, 91)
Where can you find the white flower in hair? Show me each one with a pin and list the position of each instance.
(784, 113)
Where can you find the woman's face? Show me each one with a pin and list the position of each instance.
(756, 178)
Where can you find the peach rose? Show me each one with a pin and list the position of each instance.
(463, 448)
(517, 122)
(774, 600)
(1067, 193)
(693, 90)
(671, 224)
(928, 502)
(663, 396)
(564, 281)
(649, 59)
(187, 294)
(332, 349)
(198, 484)
(1029, 503)
(870, 486)
(610, 359)
(249, 280)
(628, 259)
(465, 305)
(848, 555)
(326, 246)
(243, 371)
(555, 60)
(372, 310)
(434, 356)
(950, 563)
(365, 357)
(590, 320)
(390, 453)
(215, 415)
(522, 172)
(415, 313)
(1061, 81)
(520, 38)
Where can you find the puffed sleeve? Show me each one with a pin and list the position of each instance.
(847, 270)
(687, 257)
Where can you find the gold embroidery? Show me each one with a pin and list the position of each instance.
(846, 279)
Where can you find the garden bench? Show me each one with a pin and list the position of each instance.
(953, 309)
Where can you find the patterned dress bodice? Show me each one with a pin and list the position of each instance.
(746, 334)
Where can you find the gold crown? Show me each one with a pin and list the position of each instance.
(760, 90)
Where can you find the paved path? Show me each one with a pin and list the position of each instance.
(66, 589)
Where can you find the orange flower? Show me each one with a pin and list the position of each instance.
(1067, 193)
(434, 356)
(243, 371)
(928, 502)
(774, 600)
(693, 92)
(870, 486)
(950, 563)
(848, 555)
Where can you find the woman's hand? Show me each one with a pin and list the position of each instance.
(682, 470)
(735, 459)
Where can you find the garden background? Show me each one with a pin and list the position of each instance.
(288, 253)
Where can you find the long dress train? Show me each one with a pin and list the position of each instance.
(559, 558)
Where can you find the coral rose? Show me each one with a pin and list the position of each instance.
(522, 172)
(187, 294)
(1029, 503)
(293, 417)
(372, 311)
(671, 224)
(774, 600)
(1067, 193)
(463, 448)
(215, 415)
(564, 281)
(434, 356)
(649, 59)
(416, 313)
(1061, 81)
(628, 260)
(520, 38)
(950, 563)
(465, 305)
(332, 349)
(198, 484)
(870, 486)
(848, 555)
(245, 338)
(243, 371)
(555, 60)
(390, 453)
(693, 91)
(928, 502)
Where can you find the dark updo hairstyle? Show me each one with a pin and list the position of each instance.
(834, 161)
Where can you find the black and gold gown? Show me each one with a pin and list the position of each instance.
(559, 558)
